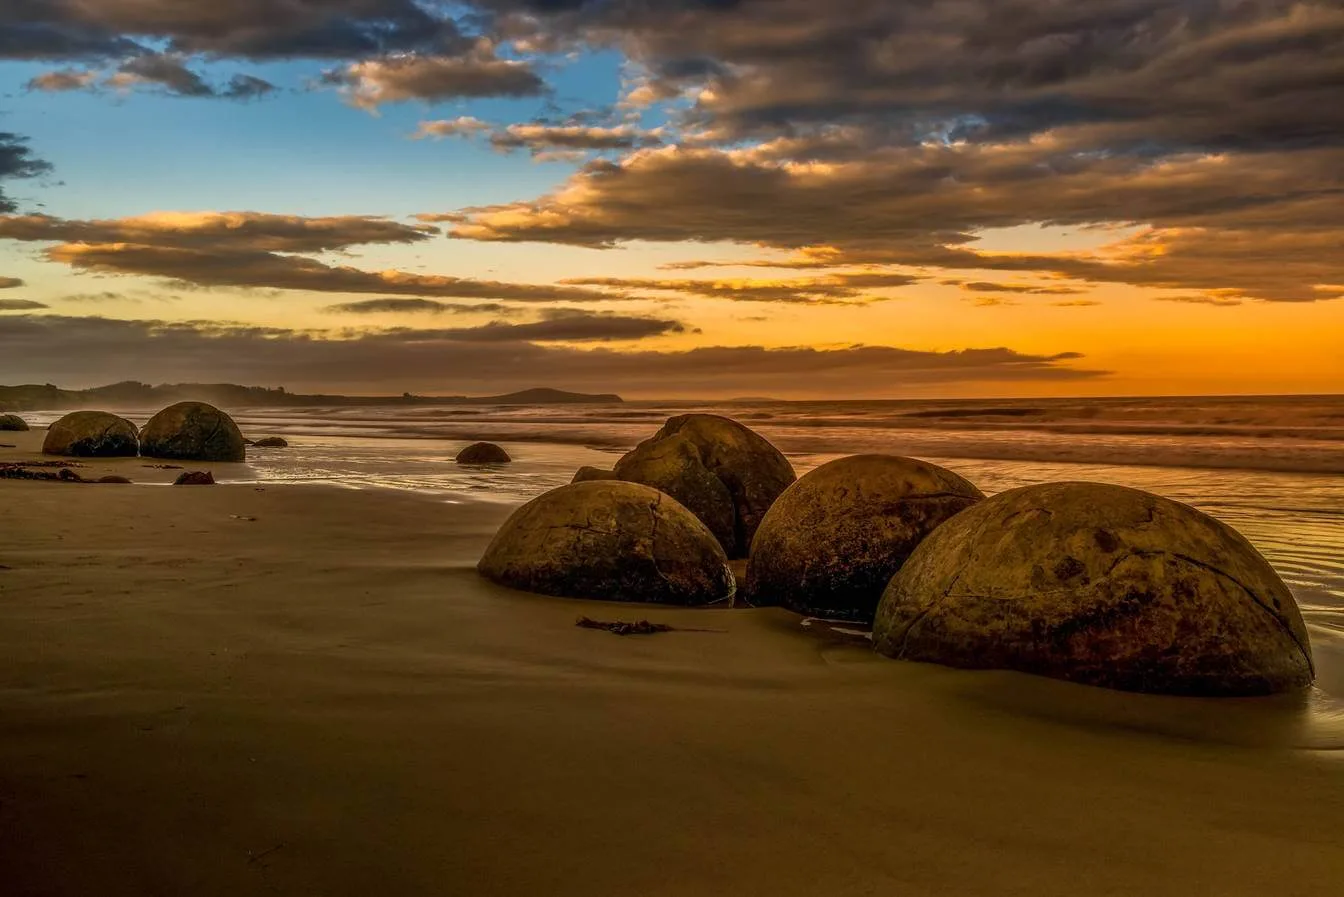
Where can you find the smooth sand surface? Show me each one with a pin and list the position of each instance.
(327, 700)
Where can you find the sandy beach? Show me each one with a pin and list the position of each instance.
(308, 690)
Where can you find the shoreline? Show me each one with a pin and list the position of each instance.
(328, 699)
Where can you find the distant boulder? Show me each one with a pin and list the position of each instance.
(114, 479)
(195, 478)
(1100, 585)
(12, 423)
(724, 473)
(92, 434)
(831, 543)
(271, 442)
(593, 475)
(192, 431)
(609, 541)
(483, 453)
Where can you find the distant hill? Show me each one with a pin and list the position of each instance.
(131, 394)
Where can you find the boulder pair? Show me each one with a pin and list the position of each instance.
(187, 431)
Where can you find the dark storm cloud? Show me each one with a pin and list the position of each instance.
(86, 351)
(17, 161)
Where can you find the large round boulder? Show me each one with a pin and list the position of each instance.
(1101, 585)
(724, 473)
(12, 423)
(192, 431)
(92, 434)
(830, 544)
(483, 453)
(610, 541)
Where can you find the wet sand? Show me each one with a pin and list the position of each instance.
(327, 700)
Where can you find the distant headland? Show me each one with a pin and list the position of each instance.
(132, 394)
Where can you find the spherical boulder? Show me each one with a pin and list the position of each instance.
(483, 453)
(12, 423)
(92, 434)
(192, 431)
(114, 479)
(610, 541)
(592, 475)
(724, 473)
(1100, 585)
(195, 478)
(830, 544)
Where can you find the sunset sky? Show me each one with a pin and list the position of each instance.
(858, 198)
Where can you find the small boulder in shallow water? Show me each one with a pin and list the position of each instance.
(91, 434)
(271, 442)
(192, 431)
(1100, 585)
(609, 541)
(830, 544)
(12, 423)
(724, 473)
(195, 478)
(483, 453)
(112, 478)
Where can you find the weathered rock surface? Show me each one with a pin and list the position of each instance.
(830, 544)
(483, 453)
(91, 434)
(195, 478)
(12, 423)
(610, 541)
(114, 479)
(725, 474)
(192, 431)
(271, 442)
(1101, 585)
(593, 475)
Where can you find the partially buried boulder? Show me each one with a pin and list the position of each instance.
(12, 423)
(114, 479)
(91, 434)
(1101, 585)
(609, 541)
(483, 453)
(593, 475)
(725, 474)
(271, 442)
(192, 431)
(830, 544)
(195, 478)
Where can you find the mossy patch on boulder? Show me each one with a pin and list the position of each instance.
(92, 434)
(1101, 585)
(832, 541)
(609, 541)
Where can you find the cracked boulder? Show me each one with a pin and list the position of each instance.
(1100, 585)
(609, 541)
(830, 544)
(725, 474)
(92, 434)
(12, 423)
(192, 431)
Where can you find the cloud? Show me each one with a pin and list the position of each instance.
(78, 351)
(397, 79)
(983, 286)
(9, 283)
(414, 306)
(1076, 303)
(169, 73)
(17, 161)
(21, 305)
(543, 140)
(561, 325)
(254, 231)
(64, 80)
(847, 288)
(1221, 301)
